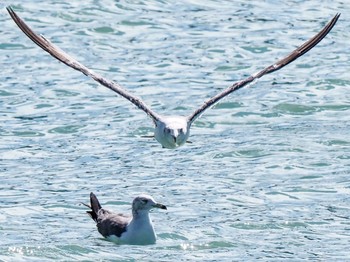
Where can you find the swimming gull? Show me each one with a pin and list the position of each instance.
(170, 131)
(136, 229)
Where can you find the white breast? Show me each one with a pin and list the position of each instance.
(139, 232)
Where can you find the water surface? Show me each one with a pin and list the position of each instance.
(266, 176)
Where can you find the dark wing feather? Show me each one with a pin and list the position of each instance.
(95, 207)
(109, 223)
(301, 50)
(60, 55)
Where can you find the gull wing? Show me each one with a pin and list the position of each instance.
(109, 223)
(301, 50)
(60, 55)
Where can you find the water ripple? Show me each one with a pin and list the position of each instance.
(266, 176)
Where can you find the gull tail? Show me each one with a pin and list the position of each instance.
(95, 206)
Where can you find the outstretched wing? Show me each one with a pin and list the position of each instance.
(301, 50)
(60, 55)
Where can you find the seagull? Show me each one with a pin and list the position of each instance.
(170, 131)
(125, 229)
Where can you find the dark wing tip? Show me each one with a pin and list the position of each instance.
(95, 204)
(335, 19)
(62, 56)
(9, 9)
(301, 50)
(11, 12)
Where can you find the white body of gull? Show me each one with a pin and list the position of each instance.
(173, 131)
(136, 229)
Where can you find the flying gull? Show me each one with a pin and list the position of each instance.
(125, 229)
(170, 131)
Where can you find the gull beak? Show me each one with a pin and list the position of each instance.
(174, 134)
(160, 206)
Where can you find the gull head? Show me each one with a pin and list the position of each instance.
(145, 203)
(172, 131)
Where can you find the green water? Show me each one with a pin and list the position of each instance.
(266, 176)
